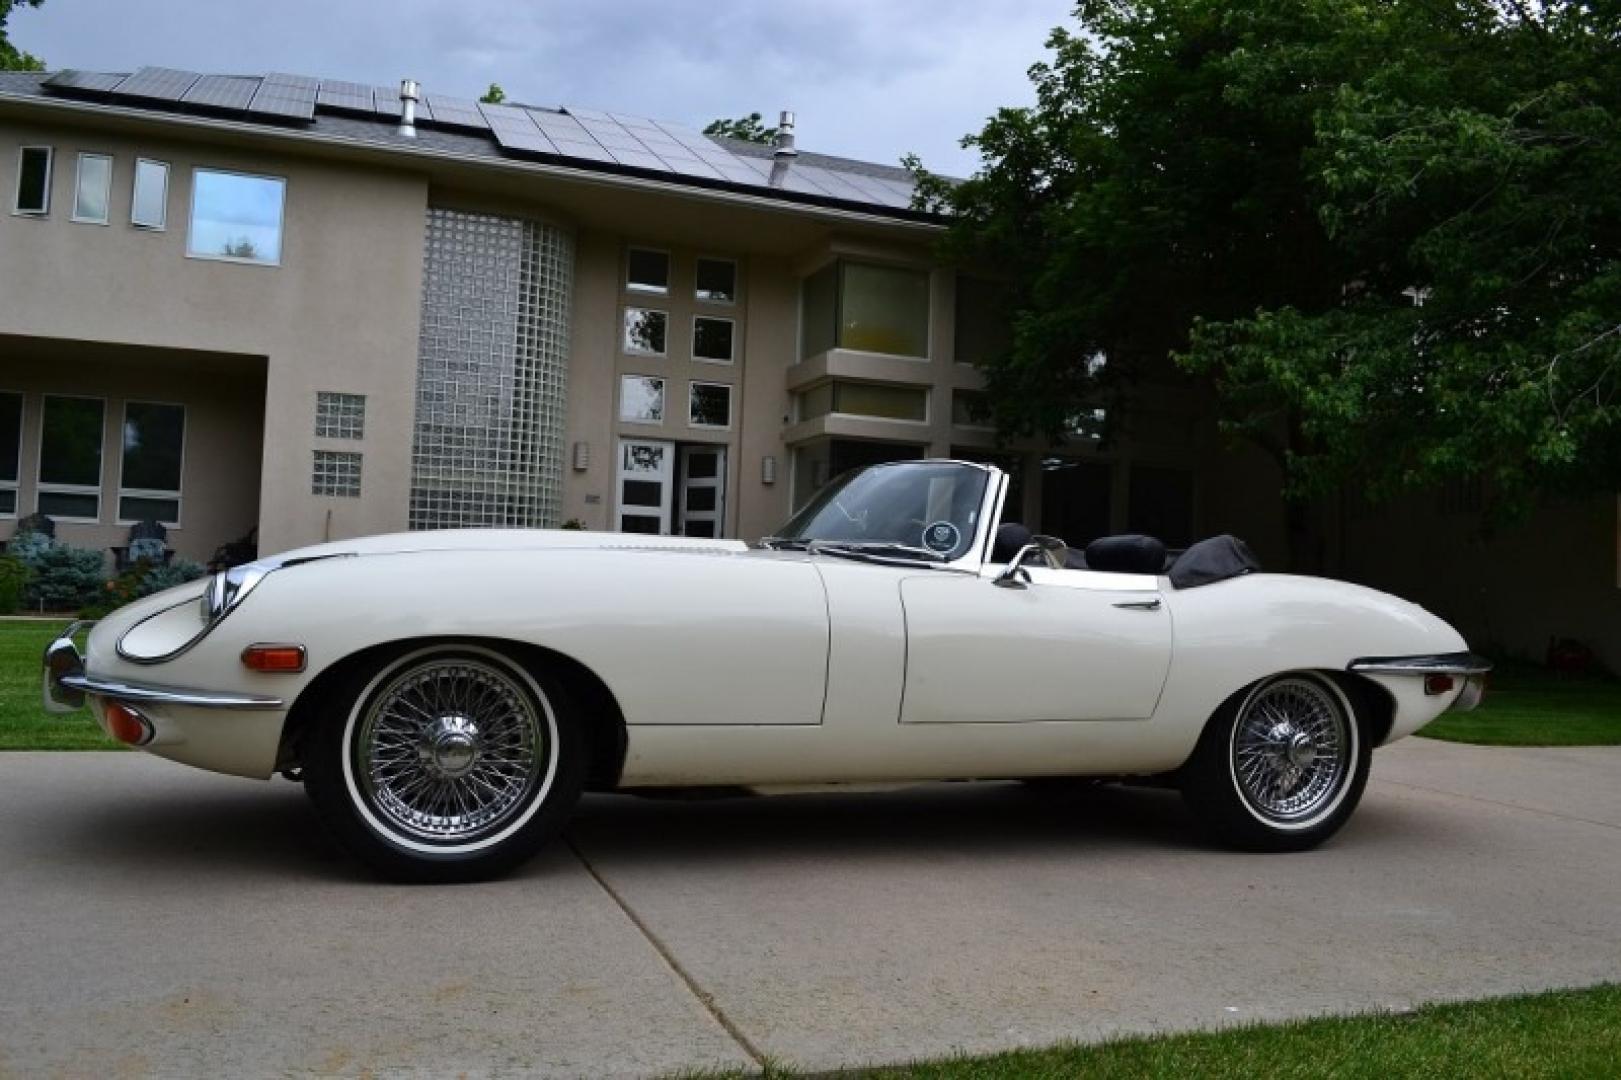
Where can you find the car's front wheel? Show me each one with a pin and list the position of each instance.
(1282, 767)
(444, 763)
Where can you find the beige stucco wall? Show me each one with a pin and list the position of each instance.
(340, 312)
(224, 402)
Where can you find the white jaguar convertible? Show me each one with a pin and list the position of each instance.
(446, 696)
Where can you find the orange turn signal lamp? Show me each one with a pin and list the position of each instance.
(126, 725)
(273, 659)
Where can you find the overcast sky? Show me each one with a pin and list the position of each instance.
(871, 79)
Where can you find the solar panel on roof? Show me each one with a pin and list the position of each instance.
(84, 80)
(455, 112)
(589, 151)
(387, 103)
(221, 91)
(514, 130)
(580, 112)
(558, 124)
(690, 166)
(831, 182)
(349, 96)
(157, 84)
(640, 159)
(290, 96)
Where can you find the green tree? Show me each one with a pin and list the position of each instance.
(1262, 188)
(494, 95)
(11, 57)
(750, 128)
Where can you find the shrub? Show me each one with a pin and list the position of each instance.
(60, 577)
(13, 582)
(142, 579)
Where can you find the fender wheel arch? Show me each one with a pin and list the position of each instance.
(604, 726)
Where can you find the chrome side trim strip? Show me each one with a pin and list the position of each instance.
(123, 691)
(1458, 663)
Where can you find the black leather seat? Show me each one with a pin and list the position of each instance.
(1131, 553)
(1010, 538)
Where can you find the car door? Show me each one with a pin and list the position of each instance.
(1069, 645)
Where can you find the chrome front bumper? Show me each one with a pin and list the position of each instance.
(1471, 667)
(66, 684)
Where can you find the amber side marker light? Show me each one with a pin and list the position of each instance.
(1438, 684)
(126, 725)
(273, 658)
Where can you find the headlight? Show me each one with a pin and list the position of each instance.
(230, 587)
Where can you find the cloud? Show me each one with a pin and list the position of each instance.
(868, 79)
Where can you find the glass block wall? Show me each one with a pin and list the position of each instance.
(491, 373)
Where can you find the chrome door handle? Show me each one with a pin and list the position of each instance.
(1140, 605)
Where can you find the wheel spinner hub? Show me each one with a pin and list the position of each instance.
(450, 746)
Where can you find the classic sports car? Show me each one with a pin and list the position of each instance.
(446, 696)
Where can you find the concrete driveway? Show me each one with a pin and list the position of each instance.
(157, 920)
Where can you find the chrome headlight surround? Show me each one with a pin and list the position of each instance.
(228, 588)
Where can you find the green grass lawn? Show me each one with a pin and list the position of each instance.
(1566, 1033)
(1530, 706)
(24, 723)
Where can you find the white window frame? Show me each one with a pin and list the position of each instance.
(730, 409)
(633, 289)
(151, 493)
(106, 192)
(692, 343)
(15, 485)
(736, 288)
(44, 487)
(624, 347)
(664, 386)
(50, 177)
(191, 218)
(163, 203)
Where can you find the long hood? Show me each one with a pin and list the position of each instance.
(508, 540)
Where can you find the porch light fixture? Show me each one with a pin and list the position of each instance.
(768, 470)
(582, 456)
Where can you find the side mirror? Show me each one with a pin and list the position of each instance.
(1050, 548)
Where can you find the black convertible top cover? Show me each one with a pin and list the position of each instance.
(1212, 560)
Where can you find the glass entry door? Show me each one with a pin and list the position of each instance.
(646, 475)
(703, 489)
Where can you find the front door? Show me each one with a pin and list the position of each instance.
(702, 505)
(646, 475)
(1073, 645)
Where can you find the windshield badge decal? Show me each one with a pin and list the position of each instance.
(942, 537)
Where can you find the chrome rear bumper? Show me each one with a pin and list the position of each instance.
(66, 684)
(1471, 667)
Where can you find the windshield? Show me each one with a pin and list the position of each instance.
(933, 506)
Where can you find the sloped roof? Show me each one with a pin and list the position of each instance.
(576, 136)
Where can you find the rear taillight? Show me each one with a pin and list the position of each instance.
(1439, 684)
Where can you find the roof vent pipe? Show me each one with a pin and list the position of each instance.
(783, 142)
(410, 94)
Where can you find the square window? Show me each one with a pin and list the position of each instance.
(647, 271)
(149, 205)
(340, 416)
(641, 399)
(236, 217)
(93, 188)
(710, 405)
(645, 331)
(712, 339)
(336, 473)
(717, 281)
(33, 181)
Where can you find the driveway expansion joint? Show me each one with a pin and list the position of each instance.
(705, 998)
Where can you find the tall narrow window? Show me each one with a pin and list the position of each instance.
(33, 181)
(93, 188)
(154, 445)
(11, 451)
(235, 216)
(70, 458)
(149, 206)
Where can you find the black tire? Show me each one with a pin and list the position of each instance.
(402, 762)
(1238, 781)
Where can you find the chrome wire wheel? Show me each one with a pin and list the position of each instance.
(1292, 751)
(450, 750)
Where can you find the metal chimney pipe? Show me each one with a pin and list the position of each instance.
(410, 94)
(783, 143)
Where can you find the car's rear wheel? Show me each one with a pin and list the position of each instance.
(1282, 767)
(444, 763)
